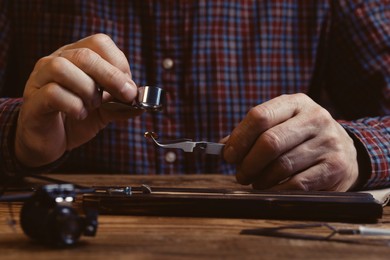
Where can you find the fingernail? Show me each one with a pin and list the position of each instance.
(230, 154)
(224, 140)
(130, 91)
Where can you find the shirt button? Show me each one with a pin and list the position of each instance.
(170, 157)
(167, 63)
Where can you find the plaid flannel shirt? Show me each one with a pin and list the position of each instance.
(223, 57)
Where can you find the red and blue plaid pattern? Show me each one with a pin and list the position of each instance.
(228, 57)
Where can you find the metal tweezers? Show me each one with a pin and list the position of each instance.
(283, 231)
(187, 145)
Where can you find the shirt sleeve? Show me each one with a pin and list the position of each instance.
(366, 36)
(9, 109)
(372, 139)
(9, 165)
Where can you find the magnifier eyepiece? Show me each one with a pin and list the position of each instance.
(151, 98)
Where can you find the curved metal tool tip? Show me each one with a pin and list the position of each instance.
(152, 135)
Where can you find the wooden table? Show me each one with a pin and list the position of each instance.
(147, 237)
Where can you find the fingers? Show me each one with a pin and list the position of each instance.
(321, 163)
(104, 62)
(62, 71)
(83, 66)
(289, 163)
(258, 119)
(322, 176)
(104, 46)
(291, 142)
(114, 81)
(62, 100)
(270, 145)
(54, 97)
(268, 131)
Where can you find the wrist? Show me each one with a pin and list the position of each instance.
(363, 160)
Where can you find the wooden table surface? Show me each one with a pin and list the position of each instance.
(148, 237)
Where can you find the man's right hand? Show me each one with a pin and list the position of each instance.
(62, 99)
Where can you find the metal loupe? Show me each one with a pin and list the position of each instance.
(149, 98)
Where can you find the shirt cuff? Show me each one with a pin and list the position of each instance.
(370, 141)
(9, 165)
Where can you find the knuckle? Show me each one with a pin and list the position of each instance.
(335, 163)
(301, 99)
(286, 164)
(301, 96)
(42, 62)
(322, 112)
(83, 57)
(272, 141)
(51, 91)
(55, 100)
(57, 67)
(261, 116)
(297, 100)
(333, 142)
(112, 75)
(323, 115)
(333, 175)
(254, 113)
(100, 39)
(103, 43)
(299, 183)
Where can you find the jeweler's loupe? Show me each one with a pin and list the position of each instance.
(149, 98)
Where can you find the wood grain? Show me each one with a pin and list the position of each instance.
(143, 237)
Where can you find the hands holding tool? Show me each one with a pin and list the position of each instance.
(63, 96)
(292, 143)
(289, 142)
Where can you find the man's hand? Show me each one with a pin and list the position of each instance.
(62, 98)
(292, 143)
